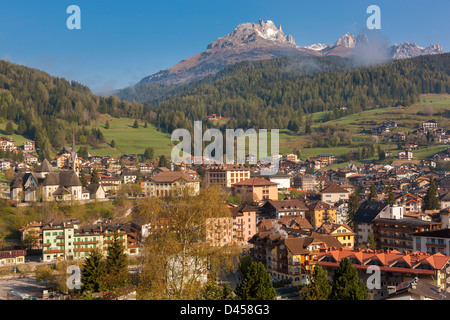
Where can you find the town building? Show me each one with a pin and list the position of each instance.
(256, 189)
(12, 257)
(342, 232)
(284, 208)
(226, 175)
(395, 267)
(166, 183)
(288, 255)
(334, 193)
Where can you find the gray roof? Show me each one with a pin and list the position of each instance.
(45, 167)
(368, 210)
(62, 178)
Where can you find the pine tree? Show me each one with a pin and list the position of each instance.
(136, 124)
(113, 143)
(163, 162)
(319, 288)
(431, 199)
(83, 180)
(107, 124)
(9, 130)
(95, 179)
(116, 264)
(93, 272)
(346, 285)
(390, 196)
(256, 285)
(371, 243)
(373, 193)
(353, 206)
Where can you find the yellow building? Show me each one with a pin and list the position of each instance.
(320, 212)
(342, 232)
(287, 257)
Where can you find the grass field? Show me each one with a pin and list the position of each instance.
(134, 141)
(131, 140)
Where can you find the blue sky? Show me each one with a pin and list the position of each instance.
(120, 42)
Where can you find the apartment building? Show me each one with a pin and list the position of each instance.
(257, 189)
(334, 193)
(168, 182)
(395, 267)
(68, 239)
(244, 223)
(320, 212)
(342, 232)
(432, 241)
(226, 175)
(287, 255)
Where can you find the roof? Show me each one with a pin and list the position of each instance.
(12, 254)
(255, 182)
(62, 178)
(45, 167)
(368, 210)
(171, 176)
(421, 288)
(288, 222)
(334, 188)
(441, 233)
(287, 205)
(388, 260)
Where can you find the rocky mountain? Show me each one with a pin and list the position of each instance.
(249, 41)
(410, 50)
(263, 41)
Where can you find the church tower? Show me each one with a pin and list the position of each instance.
(74, 156)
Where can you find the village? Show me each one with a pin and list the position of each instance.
(392, 215)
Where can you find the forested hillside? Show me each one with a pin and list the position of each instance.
(47, 109)
(281, 93)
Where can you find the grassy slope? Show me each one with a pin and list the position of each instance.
(134, 141)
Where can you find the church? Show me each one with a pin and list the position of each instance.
(46, 184)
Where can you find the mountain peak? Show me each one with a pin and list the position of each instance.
(253, 32)
(348, 40)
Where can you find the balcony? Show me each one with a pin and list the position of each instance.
(85, 242)
(83, 249)
(54, 251)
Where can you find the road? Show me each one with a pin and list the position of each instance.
(21, 284)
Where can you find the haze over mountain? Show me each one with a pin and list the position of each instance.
(263, 41)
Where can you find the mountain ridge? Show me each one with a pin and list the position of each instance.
(263, 41)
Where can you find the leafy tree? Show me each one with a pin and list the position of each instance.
(173, 257)
(346, 285)
(431, 199)
(93, 272)
(318, 288)
(256, 285)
